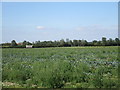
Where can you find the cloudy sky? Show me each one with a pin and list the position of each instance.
(59, 20)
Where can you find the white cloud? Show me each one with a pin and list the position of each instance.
(81, 28)
(97, 28)
(40, 27)
(92, 32)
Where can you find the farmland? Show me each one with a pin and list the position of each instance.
(60, 67)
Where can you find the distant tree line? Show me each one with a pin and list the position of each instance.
(63, 43)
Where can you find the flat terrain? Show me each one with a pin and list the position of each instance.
(63, 67)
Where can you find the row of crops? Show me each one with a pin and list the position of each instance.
(76, 67)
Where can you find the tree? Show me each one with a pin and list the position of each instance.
(67, 40)
(99, 43)
(71, 43)
(95, 43)
(62, 42)
(117, 41)
(75, 42)
(26, 43)
(110, 42)
(6, 44)
(103, 41)
(83, 42)
(86, 43)
(79, 42)
(67, 43)
(13, 43)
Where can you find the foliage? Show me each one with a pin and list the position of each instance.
(63, 43)
(13, 43)
(70, 67)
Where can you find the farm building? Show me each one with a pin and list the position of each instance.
(29, 46)
(19, 43)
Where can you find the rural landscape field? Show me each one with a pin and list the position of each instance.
(59, 44)
(60, 67)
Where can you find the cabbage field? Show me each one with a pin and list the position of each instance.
(60, 67)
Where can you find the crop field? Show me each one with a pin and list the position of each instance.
(60, 67)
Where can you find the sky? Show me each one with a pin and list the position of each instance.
(33, 21)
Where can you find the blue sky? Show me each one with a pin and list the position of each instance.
(59, 20)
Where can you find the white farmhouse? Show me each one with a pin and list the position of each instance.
(29, 46)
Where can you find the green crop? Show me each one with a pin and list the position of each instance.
(75, 67)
